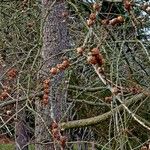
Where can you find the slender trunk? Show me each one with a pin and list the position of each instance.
(21, 133)
(55, 40)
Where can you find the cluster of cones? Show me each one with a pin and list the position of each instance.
(54, 71)
(127, 5)
(96, 7)
(5, 93)
(114, 21)
(11, 75)
(61, 140)
(92, 18)
(46, 84)
(60, 67)
(95, 57)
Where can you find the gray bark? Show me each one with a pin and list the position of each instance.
(21, 134)
(55, 40)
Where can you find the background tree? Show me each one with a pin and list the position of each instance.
(20, 42)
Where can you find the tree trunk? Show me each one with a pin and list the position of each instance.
(55, 40)
(22, 137)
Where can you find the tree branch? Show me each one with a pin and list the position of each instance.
(5, 103)
(89, 102)
(98, 119)
(94, 89)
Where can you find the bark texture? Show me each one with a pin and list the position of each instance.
(22, 137)
(55, 40)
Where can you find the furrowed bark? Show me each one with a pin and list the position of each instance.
(55, 40)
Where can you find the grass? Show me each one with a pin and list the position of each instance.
(12, 147)
(31, 147)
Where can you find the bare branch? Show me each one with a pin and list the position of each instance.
(5, 103)
(98, 119)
